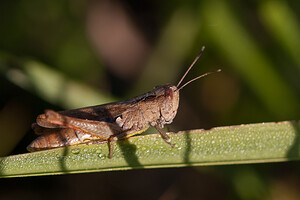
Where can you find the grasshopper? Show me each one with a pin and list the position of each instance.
(113, 121)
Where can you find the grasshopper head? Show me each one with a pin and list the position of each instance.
(169, 94)
(168, 103)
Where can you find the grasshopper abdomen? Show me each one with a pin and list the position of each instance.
(61, 137)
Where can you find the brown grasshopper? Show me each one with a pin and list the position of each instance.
(113, 121)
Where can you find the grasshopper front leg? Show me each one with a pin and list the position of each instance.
(164, 135)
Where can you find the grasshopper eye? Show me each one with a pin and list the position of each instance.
(169, 94)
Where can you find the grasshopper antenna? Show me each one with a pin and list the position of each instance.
(187, 71)
(198, 78)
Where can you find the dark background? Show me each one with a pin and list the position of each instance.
(68, 54)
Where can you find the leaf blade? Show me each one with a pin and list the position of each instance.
(252, 143)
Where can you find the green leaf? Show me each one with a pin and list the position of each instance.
(249, 61)
(282, 23)
(253, 143)
(52, 85)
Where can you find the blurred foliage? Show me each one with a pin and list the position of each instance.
(64, 54)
